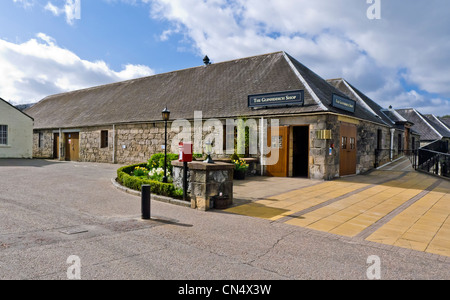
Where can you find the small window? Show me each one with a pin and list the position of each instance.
(352, 143)
(3, 134)
(379, 139)
(41, 140)
(344, 142)
(104, 139)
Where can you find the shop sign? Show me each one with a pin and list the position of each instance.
(277, 99)
(344, 103)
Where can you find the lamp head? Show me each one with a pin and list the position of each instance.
(166, 114)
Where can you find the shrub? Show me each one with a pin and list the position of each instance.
(140, 171)
(157, 161)
(126, 178)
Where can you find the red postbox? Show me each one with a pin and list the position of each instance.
(186, 152)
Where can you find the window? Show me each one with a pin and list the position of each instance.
(379, 139)
(3, 134)
(344, 142)
(352, 143)
(41, 140)
(104, 139)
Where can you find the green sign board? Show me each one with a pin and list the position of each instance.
(344, 103)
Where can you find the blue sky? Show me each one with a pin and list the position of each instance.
(401, 59)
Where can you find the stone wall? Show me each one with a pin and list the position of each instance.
(90, 145)
(136, 143)
(367, 140)
(45, 150)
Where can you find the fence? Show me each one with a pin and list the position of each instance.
(383, 156)
(433, 158)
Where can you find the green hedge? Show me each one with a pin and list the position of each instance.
(125, 178)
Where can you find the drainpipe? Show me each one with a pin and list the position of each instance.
(261, 144)
(114, 144)
(60, 144)
(391, 155)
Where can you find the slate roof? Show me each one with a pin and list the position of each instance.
(438, 125)
(397, 119)
(219, 90)
(445, 120)
(361, 99)
(424, 126)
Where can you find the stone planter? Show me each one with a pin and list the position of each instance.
(207, 181)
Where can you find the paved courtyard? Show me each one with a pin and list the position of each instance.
(394, 206)
(50, 211)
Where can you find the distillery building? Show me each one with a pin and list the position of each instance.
(324, 129)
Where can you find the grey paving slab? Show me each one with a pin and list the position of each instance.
(39, 199)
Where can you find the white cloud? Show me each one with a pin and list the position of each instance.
(25, 3)
(39, 67)
(333, 38)
(71, 9)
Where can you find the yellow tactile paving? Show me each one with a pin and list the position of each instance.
(353, 214)
(295, 201)
(356, 204)
(424, 226)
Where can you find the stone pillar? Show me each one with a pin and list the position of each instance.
(207, 181)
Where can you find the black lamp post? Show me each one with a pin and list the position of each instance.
(165, 116)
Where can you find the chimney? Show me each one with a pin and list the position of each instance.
(206, 60)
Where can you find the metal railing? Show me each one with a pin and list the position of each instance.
(383, 156)
(433, 158)
(434, 162)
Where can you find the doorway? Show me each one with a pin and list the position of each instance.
(72, 146)
(56, 146)
(300, 162)
(347, 165)
(279, 142)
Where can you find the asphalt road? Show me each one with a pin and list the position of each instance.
(50, 211)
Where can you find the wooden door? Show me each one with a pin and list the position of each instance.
(56, 146)
(279, 142)
(348, 150)
(72, 146)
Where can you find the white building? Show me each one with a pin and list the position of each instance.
(16, 132)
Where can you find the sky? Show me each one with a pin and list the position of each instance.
(397, 52)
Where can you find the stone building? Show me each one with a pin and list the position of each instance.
(429, 127)
(319, 130)
(16, 131)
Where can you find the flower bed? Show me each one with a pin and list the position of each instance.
(133, 177)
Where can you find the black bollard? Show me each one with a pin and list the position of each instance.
(146, 207)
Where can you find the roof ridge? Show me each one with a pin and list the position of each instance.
(158, 74)
(304, 82)
(429, 125)
(357, 95)
(442, 123)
